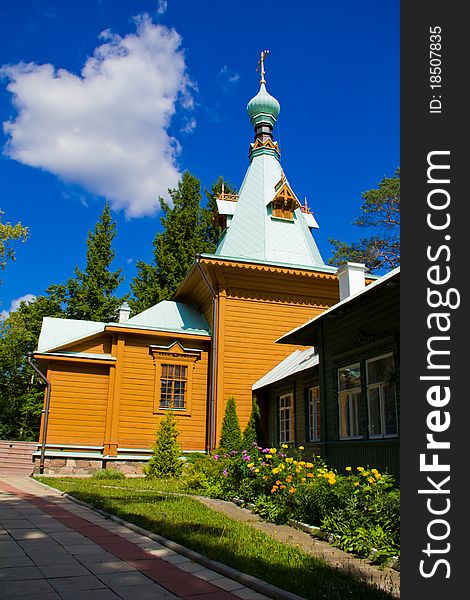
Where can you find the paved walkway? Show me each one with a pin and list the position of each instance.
(52, 548)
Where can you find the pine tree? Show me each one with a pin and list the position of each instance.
(380, 214)
(166, 457)
(252, 434)
(187, 230)
(231, 435)
(90, 295)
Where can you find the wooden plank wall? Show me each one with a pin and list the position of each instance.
(249, 349)
(79, 395)
(137, 421)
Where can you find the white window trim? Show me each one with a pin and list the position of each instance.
(312, 414)
(379, 385)
(349, 391)
(290, 395)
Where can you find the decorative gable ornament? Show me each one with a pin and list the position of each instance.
(285, 201)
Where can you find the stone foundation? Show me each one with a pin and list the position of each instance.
(83, 467)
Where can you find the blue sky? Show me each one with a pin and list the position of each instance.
(118, 97)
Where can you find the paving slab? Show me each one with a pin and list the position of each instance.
(51, 548)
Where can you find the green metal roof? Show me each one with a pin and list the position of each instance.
(255, 234)
(171, 316)
(263, 106)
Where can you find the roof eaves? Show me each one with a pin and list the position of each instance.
(365, 290)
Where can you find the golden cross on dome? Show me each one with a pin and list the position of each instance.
(260, 68)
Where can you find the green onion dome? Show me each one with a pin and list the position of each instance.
(263, 107)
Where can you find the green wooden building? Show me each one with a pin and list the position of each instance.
(340, 397)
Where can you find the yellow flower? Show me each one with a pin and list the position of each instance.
(365, 473)
(301, 448)
(356, 483)
(378, 475)
(348, 469)
(374, 471)
(273, 450)
(303, 479)
(309, 465)
(265, 477)
(250, 465)
(289, 459)
(360, 469)
(292, 490)
(256, 470)
(284, 446)
(371, 480)
(298, 470)
(275, 471)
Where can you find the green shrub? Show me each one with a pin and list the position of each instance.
(166, 457)
(252, 436)
(108, 474)
(231, 435)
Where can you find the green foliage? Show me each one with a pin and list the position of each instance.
(90, 295)
(213, 232)
(108, 474)
(184, 235)
(231, 435)
(252, 436)
(166, 456)
(380, 212)
(9, 233)
(188, 229)
(21, 392)
(361, 509)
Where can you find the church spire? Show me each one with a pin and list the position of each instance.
(263, 109)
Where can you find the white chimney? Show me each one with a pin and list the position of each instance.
(352, 279)
(124, 312)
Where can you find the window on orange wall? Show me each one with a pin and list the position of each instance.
(174, 368)
(173, 386)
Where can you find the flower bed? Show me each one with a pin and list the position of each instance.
(359, 510)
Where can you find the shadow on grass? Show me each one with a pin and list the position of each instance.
(230, 542)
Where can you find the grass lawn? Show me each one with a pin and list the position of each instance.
(216, 536)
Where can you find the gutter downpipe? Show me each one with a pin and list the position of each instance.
(215, 316)
(45, 411)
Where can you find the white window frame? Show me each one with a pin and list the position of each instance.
(283, 430)
(353, 398)
(314, 412)
(379, 385)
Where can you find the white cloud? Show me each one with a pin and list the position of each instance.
(162, 6)
(107, 129)
(15, 304)
(228, 75)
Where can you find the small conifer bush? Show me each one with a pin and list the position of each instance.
(231, 435)
(166, 456)
(252, 434)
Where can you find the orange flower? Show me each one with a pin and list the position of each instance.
(292, 490)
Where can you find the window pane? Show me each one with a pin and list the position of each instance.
(349, 377)
(373, 395)
(380, 370)
(390, 410)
